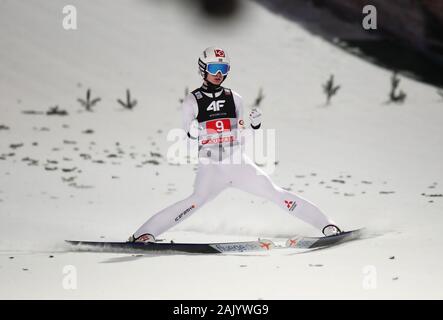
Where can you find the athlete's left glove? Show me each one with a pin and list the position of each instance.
(255, 118)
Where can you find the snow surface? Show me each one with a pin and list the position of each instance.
(388, 157)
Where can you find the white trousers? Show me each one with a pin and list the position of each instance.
(214, 177)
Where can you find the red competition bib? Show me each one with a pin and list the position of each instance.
(218, 126)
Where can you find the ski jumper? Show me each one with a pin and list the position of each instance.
(219, 115)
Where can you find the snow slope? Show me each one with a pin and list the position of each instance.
(364, 162)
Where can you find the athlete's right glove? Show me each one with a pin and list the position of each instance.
(255, 118)
(193, 130)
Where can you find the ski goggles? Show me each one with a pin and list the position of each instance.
(214, 68)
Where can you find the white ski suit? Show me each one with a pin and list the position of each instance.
(220, 117)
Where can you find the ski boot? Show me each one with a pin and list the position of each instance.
(331, 230)
(144, 238)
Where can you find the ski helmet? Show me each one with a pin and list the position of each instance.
(213, 60)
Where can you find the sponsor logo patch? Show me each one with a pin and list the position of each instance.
(218, 140)
(236, 247)
(290, 204)
(265, 245)
(216, 105)
(219, 53)
(181, 215)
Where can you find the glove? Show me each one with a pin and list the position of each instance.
(255, 118)
(194, 130)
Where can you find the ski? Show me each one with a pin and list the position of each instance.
(297, 242)
(302, 242)
(199, 248)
